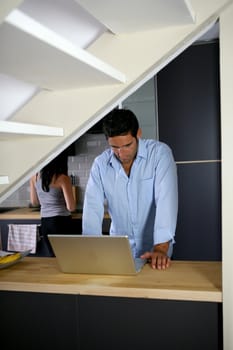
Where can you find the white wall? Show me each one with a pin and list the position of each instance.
(226, 61)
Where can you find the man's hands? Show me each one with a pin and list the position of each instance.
(158, 257)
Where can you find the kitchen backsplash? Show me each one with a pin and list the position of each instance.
(87, 147)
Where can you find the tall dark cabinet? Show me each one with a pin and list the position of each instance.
(189, 122)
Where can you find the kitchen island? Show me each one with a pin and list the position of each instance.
(27, 215)
(178, 308)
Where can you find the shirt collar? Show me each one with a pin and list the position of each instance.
(141, 149)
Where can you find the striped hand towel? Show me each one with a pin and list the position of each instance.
(22, 237)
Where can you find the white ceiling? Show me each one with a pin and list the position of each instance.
(43, 42)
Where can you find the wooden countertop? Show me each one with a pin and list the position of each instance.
(26, 214)
(184, 280)
(30, 214)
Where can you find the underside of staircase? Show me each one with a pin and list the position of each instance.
(74, 84)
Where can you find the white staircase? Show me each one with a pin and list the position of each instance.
(76, 81)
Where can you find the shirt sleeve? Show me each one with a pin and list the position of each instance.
(93, 208)
(166, 197)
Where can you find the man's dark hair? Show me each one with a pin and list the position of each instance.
(120, 122)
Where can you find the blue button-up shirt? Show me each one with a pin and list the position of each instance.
(142, 206)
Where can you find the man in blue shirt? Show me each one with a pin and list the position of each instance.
(137, 179)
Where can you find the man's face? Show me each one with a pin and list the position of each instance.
(124, 147)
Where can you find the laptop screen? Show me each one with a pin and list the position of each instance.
(94, 254)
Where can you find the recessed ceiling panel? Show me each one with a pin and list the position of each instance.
(136, 15)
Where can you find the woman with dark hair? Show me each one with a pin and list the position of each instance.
(51, 188)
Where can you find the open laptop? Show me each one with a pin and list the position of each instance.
(95, 254)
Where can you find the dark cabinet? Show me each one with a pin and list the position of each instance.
(189, 104)
(198, 234)
(38, 321)
(132, 323)
(189, 122)
(62, 321)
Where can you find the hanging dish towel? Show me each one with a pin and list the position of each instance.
(22, 237)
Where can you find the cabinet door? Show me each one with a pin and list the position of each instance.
(129, 323)
(198, 233)
(38, 321)
(189, 122)
(189, 104)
